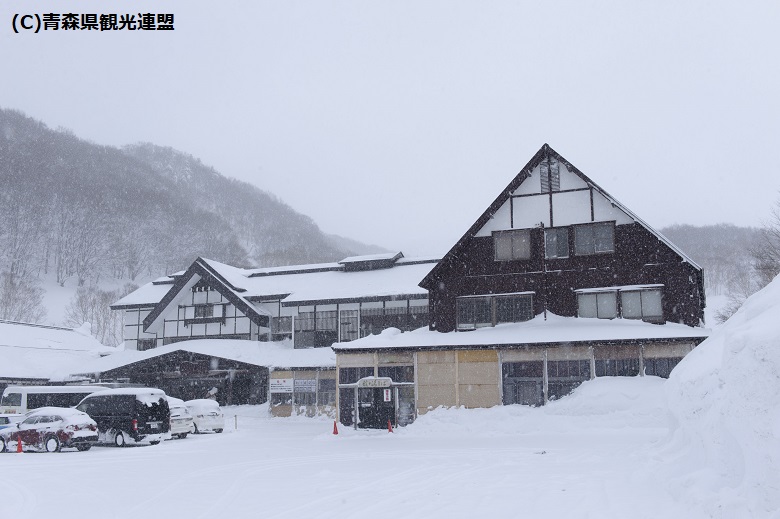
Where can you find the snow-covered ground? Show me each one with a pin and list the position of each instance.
(593, 454)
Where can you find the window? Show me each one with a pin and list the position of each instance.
(513, 309)
(397, 373)
(326, 393)
(146, 344)
(599, 304)
(549, 173)
(474, 312)
(661, 367)
(481, 311)
(617, 367)
(642, 304)
(202, 311)
(635, 303)
(594, 238)
(352, 375)
(304, 322)
(564, 376)
(523, 383)
(305, 398)
(556, 243)
(12, 399)
(512, 245)
(281, 399)
(281, 328)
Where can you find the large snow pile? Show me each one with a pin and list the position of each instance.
(725, 396)
(602, 404)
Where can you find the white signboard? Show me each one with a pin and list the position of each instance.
(281, 385)
(388, 395)
(305, 385)
(375, 382)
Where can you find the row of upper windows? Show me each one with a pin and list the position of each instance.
(481, 311)
(589, 239)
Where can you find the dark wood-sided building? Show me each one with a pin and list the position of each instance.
(556, 283)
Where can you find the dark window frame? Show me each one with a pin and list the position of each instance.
(556, 232)
(523, 235)
(619, 306)
(492, 301)
(144, 344)
(585, 239)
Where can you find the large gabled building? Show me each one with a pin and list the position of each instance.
(555, 283)
(311, 305)
(258, 315)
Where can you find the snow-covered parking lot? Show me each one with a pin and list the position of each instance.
(593, 454)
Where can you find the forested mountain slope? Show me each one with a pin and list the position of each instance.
(83, 211)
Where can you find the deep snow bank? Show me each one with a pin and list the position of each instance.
(725, 396)
(605, 403)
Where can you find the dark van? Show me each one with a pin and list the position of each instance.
(129, 415)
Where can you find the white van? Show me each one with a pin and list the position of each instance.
(20, 399)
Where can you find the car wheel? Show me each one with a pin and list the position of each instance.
(119, 439)
(52, 444)
(154, 442)
(183, 435)
(217, 430)
(84, 447)
(2, 444)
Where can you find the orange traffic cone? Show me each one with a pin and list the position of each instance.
(335, 427)
(389, 426)
(18, 444)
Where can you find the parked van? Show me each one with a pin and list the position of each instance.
(20, 399)
(129, 415)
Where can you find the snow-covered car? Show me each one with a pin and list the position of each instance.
(182, 422)
(207, 415)
(128, 416)
(50, 429)
(7, 420)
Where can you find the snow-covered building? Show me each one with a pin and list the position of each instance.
(265, 319)
(557, 282)
(312, 305)
(229, 370)
(38, 354)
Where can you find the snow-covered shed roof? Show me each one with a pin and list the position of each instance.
(33, 351)
(267, 354)
(536, 332)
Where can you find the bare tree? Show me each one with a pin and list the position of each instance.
(20, 299)
(93, 305)
(765, 256)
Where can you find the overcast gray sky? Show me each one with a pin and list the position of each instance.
(398, 122)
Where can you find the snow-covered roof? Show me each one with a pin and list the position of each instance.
(305, 283)
(387, 256)
(268, 354)
(31, 351)
(146, 295)
(554, 330)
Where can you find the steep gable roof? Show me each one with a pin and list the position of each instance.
(544, 152)
(221, 278)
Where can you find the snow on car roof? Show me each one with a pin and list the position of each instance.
(202, 403)
(59, 411)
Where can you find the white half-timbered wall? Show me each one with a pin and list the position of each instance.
(575, 203)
